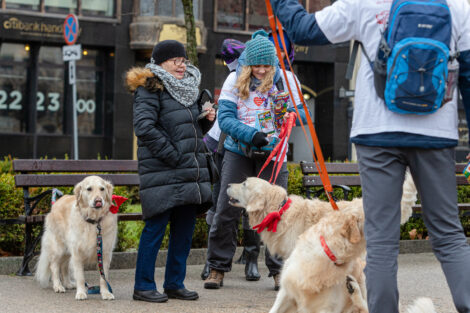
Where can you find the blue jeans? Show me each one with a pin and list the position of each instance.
(182, 221)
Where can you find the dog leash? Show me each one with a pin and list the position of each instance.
(280, 149)
(317, 153)
(99, 253)
(99, 245)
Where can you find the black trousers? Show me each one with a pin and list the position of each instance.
(223, 233)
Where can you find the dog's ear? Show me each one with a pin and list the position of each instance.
(258, 203)
(109, 191)
(77, 191)
(350, 230)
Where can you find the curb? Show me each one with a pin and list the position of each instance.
(126, 260)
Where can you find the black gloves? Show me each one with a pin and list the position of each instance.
(259, 140)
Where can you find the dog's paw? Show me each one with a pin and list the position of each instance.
(351, 284)
(58, 288)
(107, 296)
(80, 295)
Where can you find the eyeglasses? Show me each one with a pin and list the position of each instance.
(179, 61)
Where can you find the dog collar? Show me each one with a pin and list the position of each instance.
(92, 221)
(271, 220)
(328, 252)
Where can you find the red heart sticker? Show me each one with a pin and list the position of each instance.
(258, 101)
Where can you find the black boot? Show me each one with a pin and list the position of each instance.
(252, 245)
(205, 272)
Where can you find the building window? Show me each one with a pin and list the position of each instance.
(250, 15)
(90, 72)
(100, 8)
(61, 6)
(13, 68)
(54, 93)
(23, 4)
(50, 94)
(172, 8)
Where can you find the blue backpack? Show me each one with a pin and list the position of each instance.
(411, 65)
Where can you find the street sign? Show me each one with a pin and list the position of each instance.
(72, 53)
(71, 29)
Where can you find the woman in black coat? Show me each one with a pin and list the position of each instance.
(174, 176)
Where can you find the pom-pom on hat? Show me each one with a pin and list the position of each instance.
(259, 50)
(167, 49)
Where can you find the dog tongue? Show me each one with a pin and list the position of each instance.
(98, 204)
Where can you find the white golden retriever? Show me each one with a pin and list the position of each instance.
(70, 237)
(310, 280)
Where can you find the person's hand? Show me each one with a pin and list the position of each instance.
(468, 156)
(260, 139)
(286, 117)
(211, 114)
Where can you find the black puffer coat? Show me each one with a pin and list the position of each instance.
(172, 163)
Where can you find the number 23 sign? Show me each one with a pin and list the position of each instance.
(52, 103)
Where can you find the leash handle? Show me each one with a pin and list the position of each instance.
(317, 154)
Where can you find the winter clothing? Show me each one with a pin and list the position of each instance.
(167, 49)
(172, 163)
(222, 237)
(260, 51)
(185, 90)
(231, 50)
(182, 221)
(387, 142)
(289, 47)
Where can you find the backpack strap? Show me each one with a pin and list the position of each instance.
(280, 85)
(352, 58)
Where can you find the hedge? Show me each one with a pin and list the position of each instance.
(11, 206)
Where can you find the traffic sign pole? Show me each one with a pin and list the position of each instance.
(71, 53)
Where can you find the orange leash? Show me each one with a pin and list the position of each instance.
(317, 154)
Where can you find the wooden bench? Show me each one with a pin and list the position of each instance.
(63, 173)
(346, 175)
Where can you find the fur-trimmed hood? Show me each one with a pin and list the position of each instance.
(140, 76)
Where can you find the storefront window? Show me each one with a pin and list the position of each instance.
(50, 96)
(90, 93)
(13, 68)
(98, 8)
(23, 4)
(62, 6)
(230, 14)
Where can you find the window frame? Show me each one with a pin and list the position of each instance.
(246, 30)
(116, 18)
(173, 9)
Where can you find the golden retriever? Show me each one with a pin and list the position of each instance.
(310, 281)
(70, 237)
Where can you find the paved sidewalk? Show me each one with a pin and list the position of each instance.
(419, 275)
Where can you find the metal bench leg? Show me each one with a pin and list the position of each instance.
(30, 246)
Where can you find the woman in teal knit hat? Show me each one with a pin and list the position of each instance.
(252, 107)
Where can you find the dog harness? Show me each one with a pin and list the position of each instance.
(271, 220)
(328, 252)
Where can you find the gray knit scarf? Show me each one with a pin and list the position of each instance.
(185, 90)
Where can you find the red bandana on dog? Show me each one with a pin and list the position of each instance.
(118, 200)
(271, 220)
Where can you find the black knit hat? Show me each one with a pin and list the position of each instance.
(167, 49)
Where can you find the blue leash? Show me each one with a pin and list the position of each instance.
(99, 252)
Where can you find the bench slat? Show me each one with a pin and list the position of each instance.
(340, 168)
(34, 180)
(31, 165)
(33, 219)
(313, 181)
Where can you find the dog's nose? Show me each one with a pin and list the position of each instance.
(98, 203)
(230, 185)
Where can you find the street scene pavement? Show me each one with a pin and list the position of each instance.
(419, 275)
